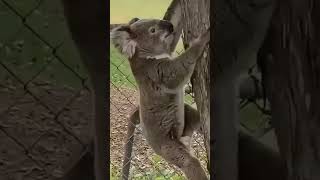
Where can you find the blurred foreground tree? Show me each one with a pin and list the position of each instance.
(290, 62)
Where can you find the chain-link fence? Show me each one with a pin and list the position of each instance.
(44, 97)
(145, 163)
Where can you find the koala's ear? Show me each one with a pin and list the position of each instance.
(133, 20)
(123, 39)
(128, 30)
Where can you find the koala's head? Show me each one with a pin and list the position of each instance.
(148, 37)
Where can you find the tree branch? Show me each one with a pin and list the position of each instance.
(174, 15)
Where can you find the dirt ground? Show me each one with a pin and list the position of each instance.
(40, 135)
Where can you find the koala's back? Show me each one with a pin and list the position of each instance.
(161, 112)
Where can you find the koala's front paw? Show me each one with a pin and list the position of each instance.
(203, 38)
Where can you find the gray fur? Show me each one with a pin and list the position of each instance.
(161, 80)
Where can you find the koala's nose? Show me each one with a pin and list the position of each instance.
(166, 25)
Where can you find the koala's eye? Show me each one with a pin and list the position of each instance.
(152, 30)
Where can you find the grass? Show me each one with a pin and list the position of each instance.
(157, 172)
(120, 71)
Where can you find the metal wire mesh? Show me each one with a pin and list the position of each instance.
(44, 96)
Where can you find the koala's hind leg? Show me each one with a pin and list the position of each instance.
(174, 152)
(192, 123)
(192, 120)
(133, 120)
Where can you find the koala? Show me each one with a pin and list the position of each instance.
(160, 79)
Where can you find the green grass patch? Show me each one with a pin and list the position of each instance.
(157, 172)
(114, 174)
(120, 72)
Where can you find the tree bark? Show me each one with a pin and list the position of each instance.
(290, 60)
(196, 20)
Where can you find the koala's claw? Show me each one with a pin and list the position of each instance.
(203, 38)
(185, 140)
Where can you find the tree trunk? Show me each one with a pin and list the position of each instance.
(196, 20)
(291, 65)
